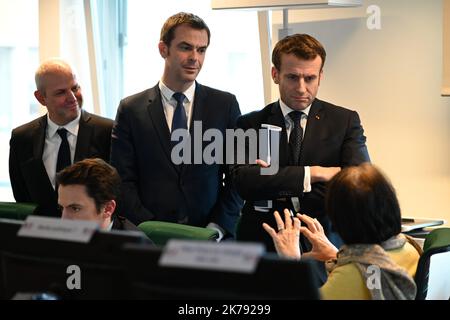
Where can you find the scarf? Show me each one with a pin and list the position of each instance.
(383, 277)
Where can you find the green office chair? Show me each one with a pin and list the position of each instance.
(432, 280)
(16, 210)
(161, 232)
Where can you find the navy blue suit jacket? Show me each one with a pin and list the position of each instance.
(334, 137)
(156, 189)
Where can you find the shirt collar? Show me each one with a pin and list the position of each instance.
(168, 93)
(286, 110)
(109, 228)
(72, 126)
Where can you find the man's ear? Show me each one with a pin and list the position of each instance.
(40, 97)
(275, 75)
(163, 49)
(108, 209)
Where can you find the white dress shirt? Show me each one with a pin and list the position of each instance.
(53, 141)
(289, 125)
(169, 103)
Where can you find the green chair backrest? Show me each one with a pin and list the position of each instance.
(16, 210)
(437, 238)
(431, 277)
(160, 232)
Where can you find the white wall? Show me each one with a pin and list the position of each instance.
(18, 35)
(13, 15)
(392, 77)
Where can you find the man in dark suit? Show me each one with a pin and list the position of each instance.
(317, 139)
(154, 187)
(89, 190)
(66, 134)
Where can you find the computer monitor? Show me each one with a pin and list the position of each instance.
(120, 265)
(29, 265)
(274, 278)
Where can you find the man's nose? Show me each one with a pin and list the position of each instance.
(71, 96)
(301, 85)
(66, 215)
(194, 55)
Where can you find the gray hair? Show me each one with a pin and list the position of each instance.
(52, 65)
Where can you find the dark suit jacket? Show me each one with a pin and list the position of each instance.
(334, 137)
(29, 179)
(121, 223)
(156, 189)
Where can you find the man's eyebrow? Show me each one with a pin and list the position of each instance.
(184, 43)
(74, 205)
(302, 74)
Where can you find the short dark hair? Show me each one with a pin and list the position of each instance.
(362, 205)
(169, 27)
(303, 46)
(101, 180)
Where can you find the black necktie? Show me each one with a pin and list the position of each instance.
(64, 151)
(295, 138)
(179, 116)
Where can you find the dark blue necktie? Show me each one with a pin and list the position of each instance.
(295, 137)
(179, 116)
(64, 151)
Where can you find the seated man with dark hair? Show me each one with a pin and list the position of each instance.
(88, 190)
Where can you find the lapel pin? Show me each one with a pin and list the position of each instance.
(317, 117)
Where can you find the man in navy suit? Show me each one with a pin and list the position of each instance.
(317, 139)
(35, 146)
(153, 186)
